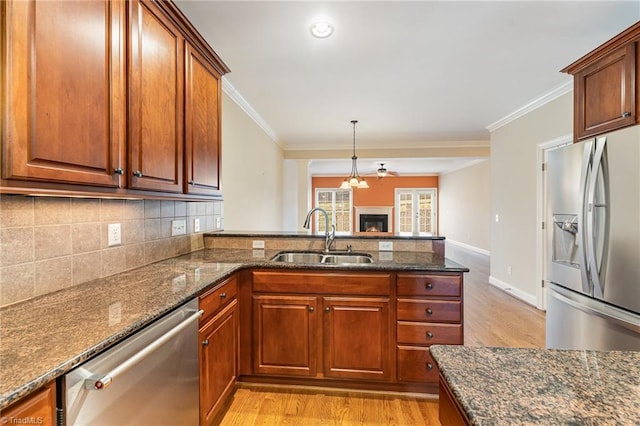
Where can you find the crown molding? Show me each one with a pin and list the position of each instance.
(233, 93)
(533, 105)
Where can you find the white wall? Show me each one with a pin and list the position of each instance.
(252, 173)
(465, 206)
(513, 193)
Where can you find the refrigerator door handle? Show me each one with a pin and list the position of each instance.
(585, 175)
(596, 265)
(616, 316)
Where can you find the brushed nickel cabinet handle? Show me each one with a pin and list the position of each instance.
(311, 309)
(626, 114)
(429, 335)
(205, 342)
(429, 311)
(428, 286)
(223, 295)
(429, 366)
(118, 171)
(137, 173)
(327, 309)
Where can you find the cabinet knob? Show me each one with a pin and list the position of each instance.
(429, 335)
(429, 366)
(428, 286)
(192, 182)
(429, 311)
(626, 114)
(327, 309)
(137, 173)
(311, 309)
(118, 171)
(223, 295)
(205, 342)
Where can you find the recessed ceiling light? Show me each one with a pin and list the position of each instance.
(321, 29)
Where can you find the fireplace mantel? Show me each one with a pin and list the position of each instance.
(388, 211)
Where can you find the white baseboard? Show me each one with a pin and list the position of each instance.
(519, 294)
(468, 247)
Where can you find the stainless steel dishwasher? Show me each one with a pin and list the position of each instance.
(151, 378)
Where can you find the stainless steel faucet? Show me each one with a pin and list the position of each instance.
(328, 236)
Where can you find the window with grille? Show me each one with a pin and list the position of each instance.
(337, 203)
(416, 211)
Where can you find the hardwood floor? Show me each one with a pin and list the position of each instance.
(492, 318)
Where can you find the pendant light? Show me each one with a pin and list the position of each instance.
(354, 180)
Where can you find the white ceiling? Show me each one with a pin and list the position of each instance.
(411, 72)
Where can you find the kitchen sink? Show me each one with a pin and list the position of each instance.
(326, 258)
(342, 259)
(296, 257)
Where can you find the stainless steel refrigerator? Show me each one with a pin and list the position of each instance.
(593, 296)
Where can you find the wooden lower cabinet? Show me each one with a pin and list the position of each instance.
(429, 312)
(356, 338)
(219, 349)
(449, 412)
(285, 334)
(38, 408)
(320, 335)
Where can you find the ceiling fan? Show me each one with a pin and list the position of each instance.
(383, 171)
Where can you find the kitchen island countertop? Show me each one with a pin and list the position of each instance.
(517, 386)
(44, 337)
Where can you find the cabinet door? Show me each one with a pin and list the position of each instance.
(605, 93)
(218, 362)
(156, 69)
(356, 338)
(285, 333)
(64, 83)
(202, 125)
(37, 408)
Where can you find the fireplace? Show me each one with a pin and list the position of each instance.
(374, 223)
(374, 219)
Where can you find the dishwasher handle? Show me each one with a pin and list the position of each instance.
(98, 382)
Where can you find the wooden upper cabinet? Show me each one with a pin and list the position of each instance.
(156, 88)
(605, 91)
(63, 118)
(202, 125)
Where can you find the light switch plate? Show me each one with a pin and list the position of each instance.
(114, 234)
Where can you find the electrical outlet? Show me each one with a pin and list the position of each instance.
(114, 234)
(196, 274)
(258, 244)
(115, 313)
(385, 245)
(196, 225)
(497, 218)
(178, 227)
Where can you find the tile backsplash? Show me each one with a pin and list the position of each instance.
(47, 244)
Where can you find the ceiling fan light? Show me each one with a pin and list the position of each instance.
(321, 29)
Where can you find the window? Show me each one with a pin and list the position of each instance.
(337, 203)
(416, 211)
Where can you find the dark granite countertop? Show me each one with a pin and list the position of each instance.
(45, 337)
(514, 386)
(304, 234)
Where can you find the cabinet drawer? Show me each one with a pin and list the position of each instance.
(429, 310)
(416, 365)
(364, 284)
(420, 333)
(217, 297)
(429, 285)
